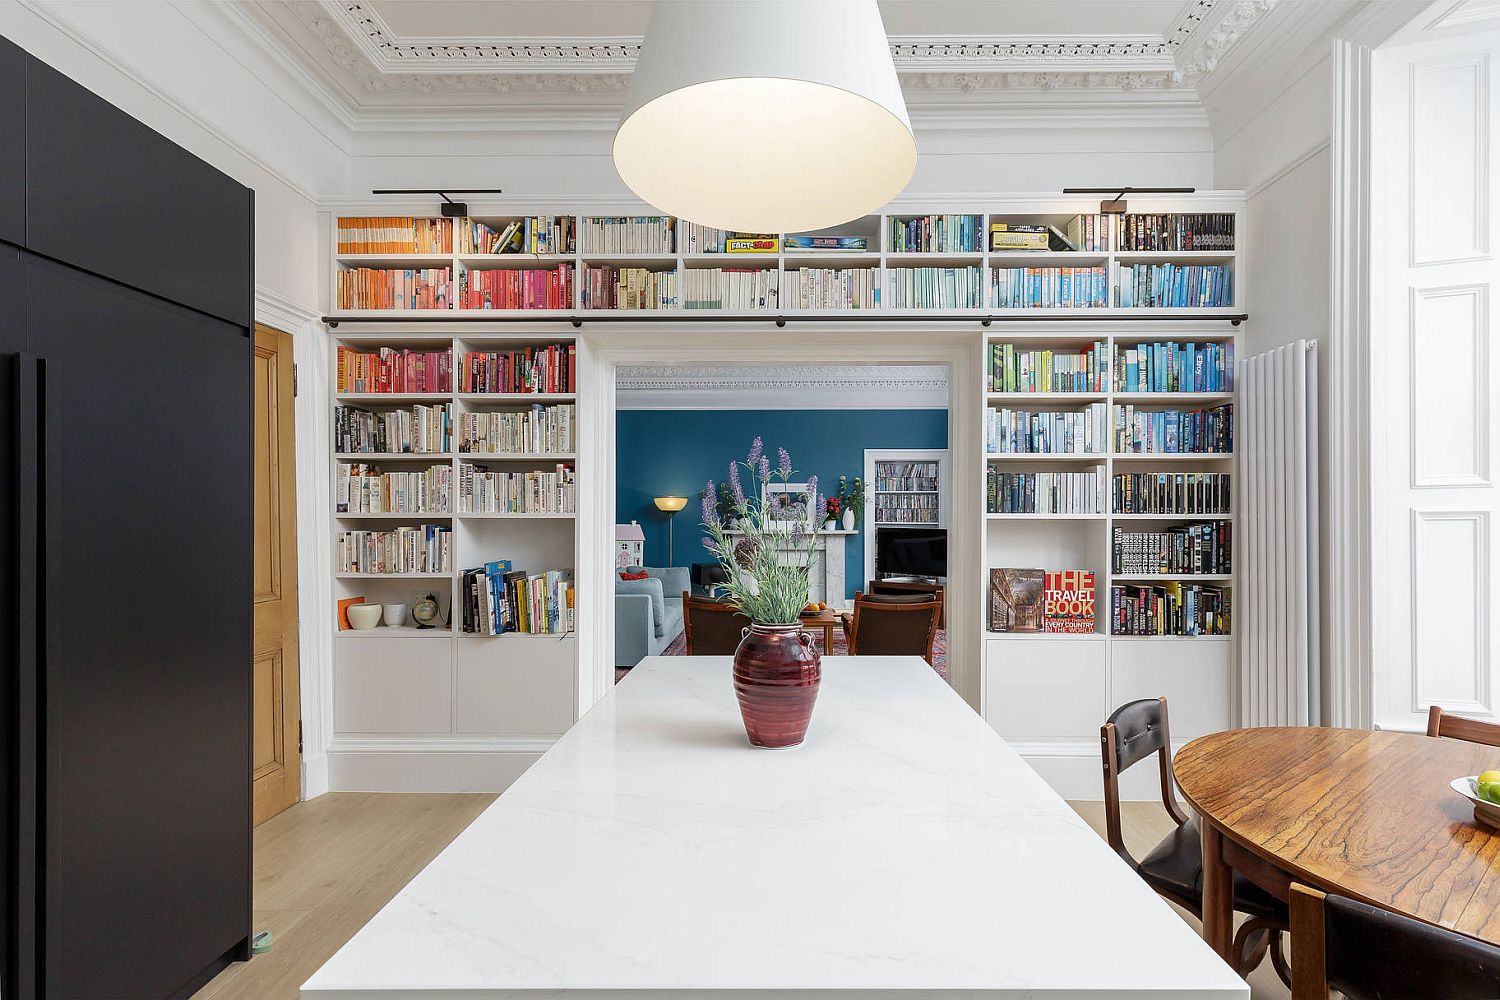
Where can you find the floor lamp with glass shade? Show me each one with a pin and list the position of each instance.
(765, 116)
(670, 505)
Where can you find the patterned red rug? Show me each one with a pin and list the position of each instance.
(840, 648)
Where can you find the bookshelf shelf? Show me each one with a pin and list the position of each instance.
(392, 456)
(1172, 517)
(394, 632)
(514, 398)
(504, 515)
(1046, 517)
(478, 457)
(1092, 456)
(1045, 397)
(1173, 399)
(388, 516)
(1174, 577)
(1172, 456)
(393, 576)
(393, 398)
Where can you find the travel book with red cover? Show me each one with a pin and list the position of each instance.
(1068, 603)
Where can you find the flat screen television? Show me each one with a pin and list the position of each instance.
(920, 552)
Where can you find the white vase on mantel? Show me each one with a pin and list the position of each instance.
(848, 520)
(830, 525)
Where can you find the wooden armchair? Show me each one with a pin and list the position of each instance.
(1459, 728)
(713, 628)
(893, 625)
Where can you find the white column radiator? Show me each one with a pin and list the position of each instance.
(1276, 537)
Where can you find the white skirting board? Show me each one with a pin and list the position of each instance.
(372, 769)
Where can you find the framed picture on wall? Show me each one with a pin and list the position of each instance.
(790, 504)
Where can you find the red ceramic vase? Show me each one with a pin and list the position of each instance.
(776, 676)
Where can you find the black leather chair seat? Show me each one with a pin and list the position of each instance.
(1176, 866)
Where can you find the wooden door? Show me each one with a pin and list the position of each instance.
(277, 758)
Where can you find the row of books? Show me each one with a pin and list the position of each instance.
(547, 368)
(393, 370)
(1093, 233)
(497, 599)
(517, 288)
(426, 548)
(1177, 231)
(396, 234)
(1172, 493)
(937, 234)
(907, 508)
(1183, 549)
(537, 234)
(1169, 608)
(1044, 492)
(481, 491)
(1037, 600)
(834, 288)
(934, 288)
(627, 234)
(1010, 432)
(824, 244)
(723, 288)
(535, 430)
(701, 239)
(1175, 286)
(417, 430)
(1014, 369)
(361, 488)
(607, 287)
(395, 288)
(1169, 366)
(1174, 432)
(1050, 287)
(895, 477)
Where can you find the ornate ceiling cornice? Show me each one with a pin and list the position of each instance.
(384, 67)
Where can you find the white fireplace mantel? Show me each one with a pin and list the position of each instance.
(825, 579)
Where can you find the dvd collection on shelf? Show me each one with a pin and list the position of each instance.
(1177, 231)
(427, 548)
(1174, 432)
(1172, 493)
(392, 370)
(1013, 432)
(1014, 369)
(1044, 492)
(361, 488)
(416, 430)
(1169, 366)
(536, 430)
(907, 508)
(551, 368)
(496, 599)
(481, 491)
(1186, 549)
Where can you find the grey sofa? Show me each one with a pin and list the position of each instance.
(637, 635)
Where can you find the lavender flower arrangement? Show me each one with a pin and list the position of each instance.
(768, 566)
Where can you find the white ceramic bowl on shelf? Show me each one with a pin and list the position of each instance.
(364, 616)
(1485, 811)
(395, 614)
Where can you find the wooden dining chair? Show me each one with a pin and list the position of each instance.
(1174, 868)
(712, 628)
(892, 625)
(1459, 728)
(1367, 953)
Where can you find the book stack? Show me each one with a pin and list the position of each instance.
(516, 288)
(536, 430)
(627, 234)
(607, 287)
(1175, 286)
(395, 235)
(427, 548)
(395, 288)
(481, 491)
(702, 239)
(496, 599)
(1044, 492)
(1092, 233)
(1187, 549)
(1050, 287)
(1170, 608)
(551, 368)
(543, 234)
(1169, 366)
(726, 288)
(1178, 231)
(937, 234)
(834, 288)
(392, 370)
(1015, 370)
(360, 488)
(1012, 432)
(1175, 432)
(1172, 493)
(418, 430)
(934, 288)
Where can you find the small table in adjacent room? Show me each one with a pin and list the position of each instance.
(824, 621)
(1368, 815)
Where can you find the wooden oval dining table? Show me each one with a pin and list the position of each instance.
(1368, 815)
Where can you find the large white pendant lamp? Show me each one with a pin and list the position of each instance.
(765, 116)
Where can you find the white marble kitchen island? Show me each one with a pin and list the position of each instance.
(904, 849)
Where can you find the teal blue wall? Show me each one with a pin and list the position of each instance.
(675, 452)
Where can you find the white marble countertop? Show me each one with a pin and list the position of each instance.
(652, 852)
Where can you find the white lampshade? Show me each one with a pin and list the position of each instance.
(766, 116)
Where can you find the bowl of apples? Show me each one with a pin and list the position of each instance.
(1484, 791)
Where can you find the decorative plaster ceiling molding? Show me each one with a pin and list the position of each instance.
(782, 388)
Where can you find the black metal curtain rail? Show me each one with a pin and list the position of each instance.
(983, 319)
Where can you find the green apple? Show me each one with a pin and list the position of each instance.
(1487, 785)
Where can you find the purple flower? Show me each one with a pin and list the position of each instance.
(765, 468)
(797, 530)
(710, 508)
(734, 484)
(756, 449)
(812, 486)
(783, 462)
(822, 507)
(708, 543)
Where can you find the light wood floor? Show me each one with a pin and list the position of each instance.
(324, 867)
